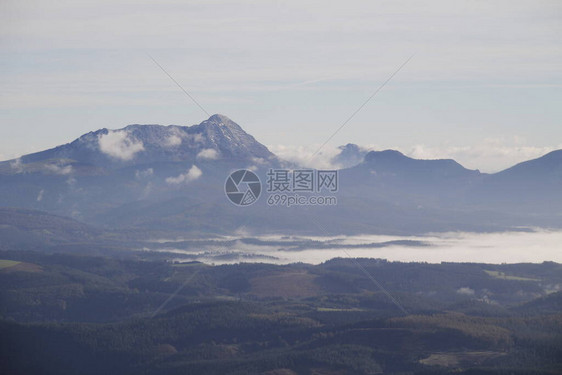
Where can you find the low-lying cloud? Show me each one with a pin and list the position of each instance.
(465, 291)
(192, 174)
(145, 173)
(173, 140)
(120, 145)
(58, 169)
(494, 248)
(17, 165)
(305, 156)
(489, 155)
(208, 153)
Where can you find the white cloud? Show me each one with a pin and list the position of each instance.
(40, 195)
(496, 248)
(192, 174)
(17, 165)
(465, 291)
(58, 169)
(489, 155)
(173, 140)
(142, 174)
(208, 153)
(305, 155)
(119, 144)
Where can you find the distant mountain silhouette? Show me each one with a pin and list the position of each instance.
(547, 167)
(213, 139)
(532, 187)
(395, 163)
(171, 178)
(349, 156)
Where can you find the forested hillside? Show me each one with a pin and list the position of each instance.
(68, 314)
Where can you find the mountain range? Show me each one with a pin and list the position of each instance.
(216, 138)
(171, 178)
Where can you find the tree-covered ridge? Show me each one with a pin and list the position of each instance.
(92, 315)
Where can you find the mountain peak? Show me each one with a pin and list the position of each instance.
(531, 169)
(350, 155)
(220, 119)
(387, 155)
(395, 162)
(223, 134)
(216, 138)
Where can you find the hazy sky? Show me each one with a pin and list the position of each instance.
(484, 86)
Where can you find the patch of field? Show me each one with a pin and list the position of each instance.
(459, 359)
(187, 264)
(503, 276)
(324, 309)
(327, 371)
(286, 285)
(14, 266)
(5, 263)
(281, 371)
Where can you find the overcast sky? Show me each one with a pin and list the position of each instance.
(484, 85)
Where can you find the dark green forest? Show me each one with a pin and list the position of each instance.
(76, 314)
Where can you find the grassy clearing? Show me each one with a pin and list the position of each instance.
(460, 358)
(5, 263)
(503, 276)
